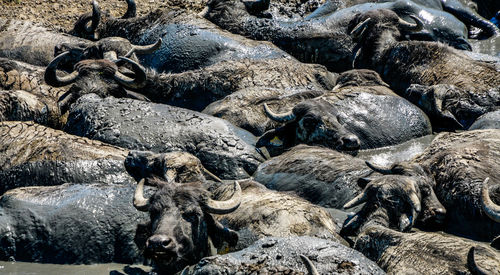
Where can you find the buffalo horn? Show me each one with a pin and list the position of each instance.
(225, 207)
(147, 49)
(131, 10)
(359, 199)
(489, 207)
(279, 117)
(309, 265)
(381, 170)
(407, 26)
(140, 75)
(51, 77)
(140, 203)
(359, 29)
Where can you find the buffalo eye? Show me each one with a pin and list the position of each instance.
(309, 122)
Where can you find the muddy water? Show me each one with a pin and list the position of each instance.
(21, 268)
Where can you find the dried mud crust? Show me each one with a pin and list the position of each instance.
(61, 14)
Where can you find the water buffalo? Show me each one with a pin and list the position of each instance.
(426, 10)
(324, 40)
(264, 212)
(101, 77)
(182, 229)
(426, 252)
(453, 169)
(31, 43)
(347, 119)
(70, 224)
(223, 149)
(402, 63)
(196, 89)
(189, 41)
(37, 155)
(280, 255)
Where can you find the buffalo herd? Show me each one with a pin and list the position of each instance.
(255, 137)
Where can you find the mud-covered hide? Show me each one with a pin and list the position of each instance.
(450, 107)
(273, 255)
(223, 149)
(265, 212)
(438, 25)
(70, 224)
(336, 118)
(172, 166)
(17, 75)
(286, 9)
(460, 162)
(244, 108)
(33, 154)
(426, 252)
(489, 120)
(196, 89)
(30, 42)
(23, 106)
(189, 40)
(402, 63)
(320, 175)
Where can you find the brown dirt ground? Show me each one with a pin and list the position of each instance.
(61, 14)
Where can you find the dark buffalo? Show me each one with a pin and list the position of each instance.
(324, 40)
(348, 118)
(189, 41)
(402, 63)
(224, 149)
(70, 224)
(182, 229)
(101, 77)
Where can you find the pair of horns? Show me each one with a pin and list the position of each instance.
(210, 205)
(284, 117)
(402, 24)
(54, 80)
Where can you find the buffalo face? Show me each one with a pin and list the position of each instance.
(181, 225)
(311, 122)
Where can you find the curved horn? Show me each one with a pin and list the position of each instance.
(131, 10)
(359, 199)
(51, 77)
(140, 75)
(309, 265)
(381, 170)
(225, 207)
(490, 208)
(140, 203)
(147, 49)
(288, 116)
(359, 29)
(214, 177)
(407, 26)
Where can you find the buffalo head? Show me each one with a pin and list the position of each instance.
(312, 122)
(402, 196)
(99, 76)
(182, 229)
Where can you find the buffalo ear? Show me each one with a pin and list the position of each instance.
(278, 140)
(219, 233)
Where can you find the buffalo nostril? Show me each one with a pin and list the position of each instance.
(351, 142)
(166, 242)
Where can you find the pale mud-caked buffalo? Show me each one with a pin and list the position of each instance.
(189, 40)
(72, 223)
(195, 89)
(225, 150)
(348, 118)
(452, 172)
(182, 228)
(451, 87)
